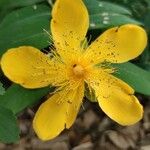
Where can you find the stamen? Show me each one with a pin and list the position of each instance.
(67, 89)
(50, 36)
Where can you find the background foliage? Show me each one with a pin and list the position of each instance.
(27, 23)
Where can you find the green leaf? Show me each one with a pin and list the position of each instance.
(17, 3)
(109, 20)
(9, 130)
(18, 98)
(146, 20)
(2, 90)
(105, 15)
(9, 5)
(136, 77)
(96, 6)
(25, 27)
(144, 59)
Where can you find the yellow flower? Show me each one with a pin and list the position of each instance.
(72, 66)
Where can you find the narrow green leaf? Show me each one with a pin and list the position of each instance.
(9, 130)
(25, 27)
(136, 77)
(18, 98)
(2, 90)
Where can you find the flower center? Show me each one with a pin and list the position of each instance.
(78, 70)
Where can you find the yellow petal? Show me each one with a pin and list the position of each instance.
(118, 44)
(31, 68)
(116, 98)
(58, 113)
(74, 106)
(69, 25)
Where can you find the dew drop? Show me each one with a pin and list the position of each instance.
(34, 7)
(92, 24)
(106, 18)
(105, 22)
(100, 5)
(104, 14)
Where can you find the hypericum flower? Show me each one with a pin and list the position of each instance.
(73, 65)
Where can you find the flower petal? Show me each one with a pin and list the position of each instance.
(69, 25)
(118, 44)
(58, 113)
(116, 98)
(74, 106)
(31, 68)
